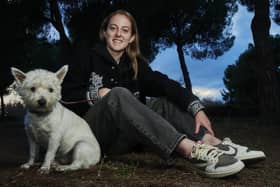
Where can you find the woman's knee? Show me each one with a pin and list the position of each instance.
(116, 96)
(120, 92)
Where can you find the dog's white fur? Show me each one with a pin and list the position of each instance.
(51, 125)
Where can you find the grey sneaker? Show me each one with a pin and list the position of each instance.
(214, 163)
(240, 152)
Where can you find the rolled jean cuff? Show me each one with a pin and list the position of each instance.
(195, 106)
(171, 155)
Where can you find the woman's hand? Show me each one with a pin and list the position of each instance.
(103, 91)
(201, 119)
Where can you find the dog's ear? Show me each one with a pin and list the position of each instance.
(60, 74)
(18, 75)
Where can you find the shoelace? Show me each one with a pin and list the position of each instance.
(206, 153)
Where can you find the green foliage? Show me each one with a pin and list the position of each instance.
(22, 21)
(44, 55)
(21, 47)
(240, 79)
(202, 27)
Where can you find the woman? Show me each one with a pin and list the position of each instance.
(115, 79)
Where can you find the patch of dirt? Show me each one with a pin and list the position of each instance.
(144, 169)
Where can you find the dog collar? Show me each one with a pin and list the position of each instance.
(38, 113)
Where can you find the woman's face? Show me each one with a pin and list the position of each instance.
(118, 33)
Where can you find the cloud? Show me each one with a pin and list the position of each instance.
(204, 92)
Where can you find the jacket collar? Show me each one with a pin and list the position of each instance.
(101, 50)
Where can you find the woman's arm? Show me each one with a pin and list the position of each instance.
(154, 84)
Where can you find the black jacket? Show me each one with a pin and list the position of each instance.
(97, 69)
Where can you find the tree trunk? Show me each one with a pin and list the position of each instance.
(2, 105)
(268, 86)
(56, 20)
(184, 68)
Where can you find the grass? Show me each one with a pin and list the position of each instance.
(145, 169)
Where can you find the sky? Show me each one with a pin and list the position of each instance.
(207, 75)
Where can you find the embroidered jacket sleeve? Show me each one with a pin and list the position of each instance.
(154, 84)
(95, 83)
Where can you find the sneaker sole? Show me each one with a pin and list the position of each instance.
(260, 156)
(238, 166)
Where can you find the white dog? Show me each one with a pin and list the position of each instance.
(47, 123)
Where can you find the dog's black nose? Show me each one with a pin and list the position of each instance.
(42, 102)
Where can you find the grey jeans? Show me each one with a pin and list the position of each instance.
(120, 122)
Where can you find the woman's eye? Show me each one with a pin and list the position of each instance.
(112, 28)
(125, 30)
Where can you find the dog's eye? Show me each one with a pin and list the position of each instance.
(33, 89)
(50, 90)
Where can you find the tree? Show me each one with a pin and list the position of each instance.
(198, 28)
(24, 20)
(240, 79)
(14, 38)
(268, 84)
(55, 18)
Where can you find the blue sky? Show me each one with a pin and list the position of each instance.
(207, 75)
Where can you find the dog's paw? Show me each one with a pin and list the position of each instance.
(44, 170)
(60, 168)
(55, 164)
(25, 166)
